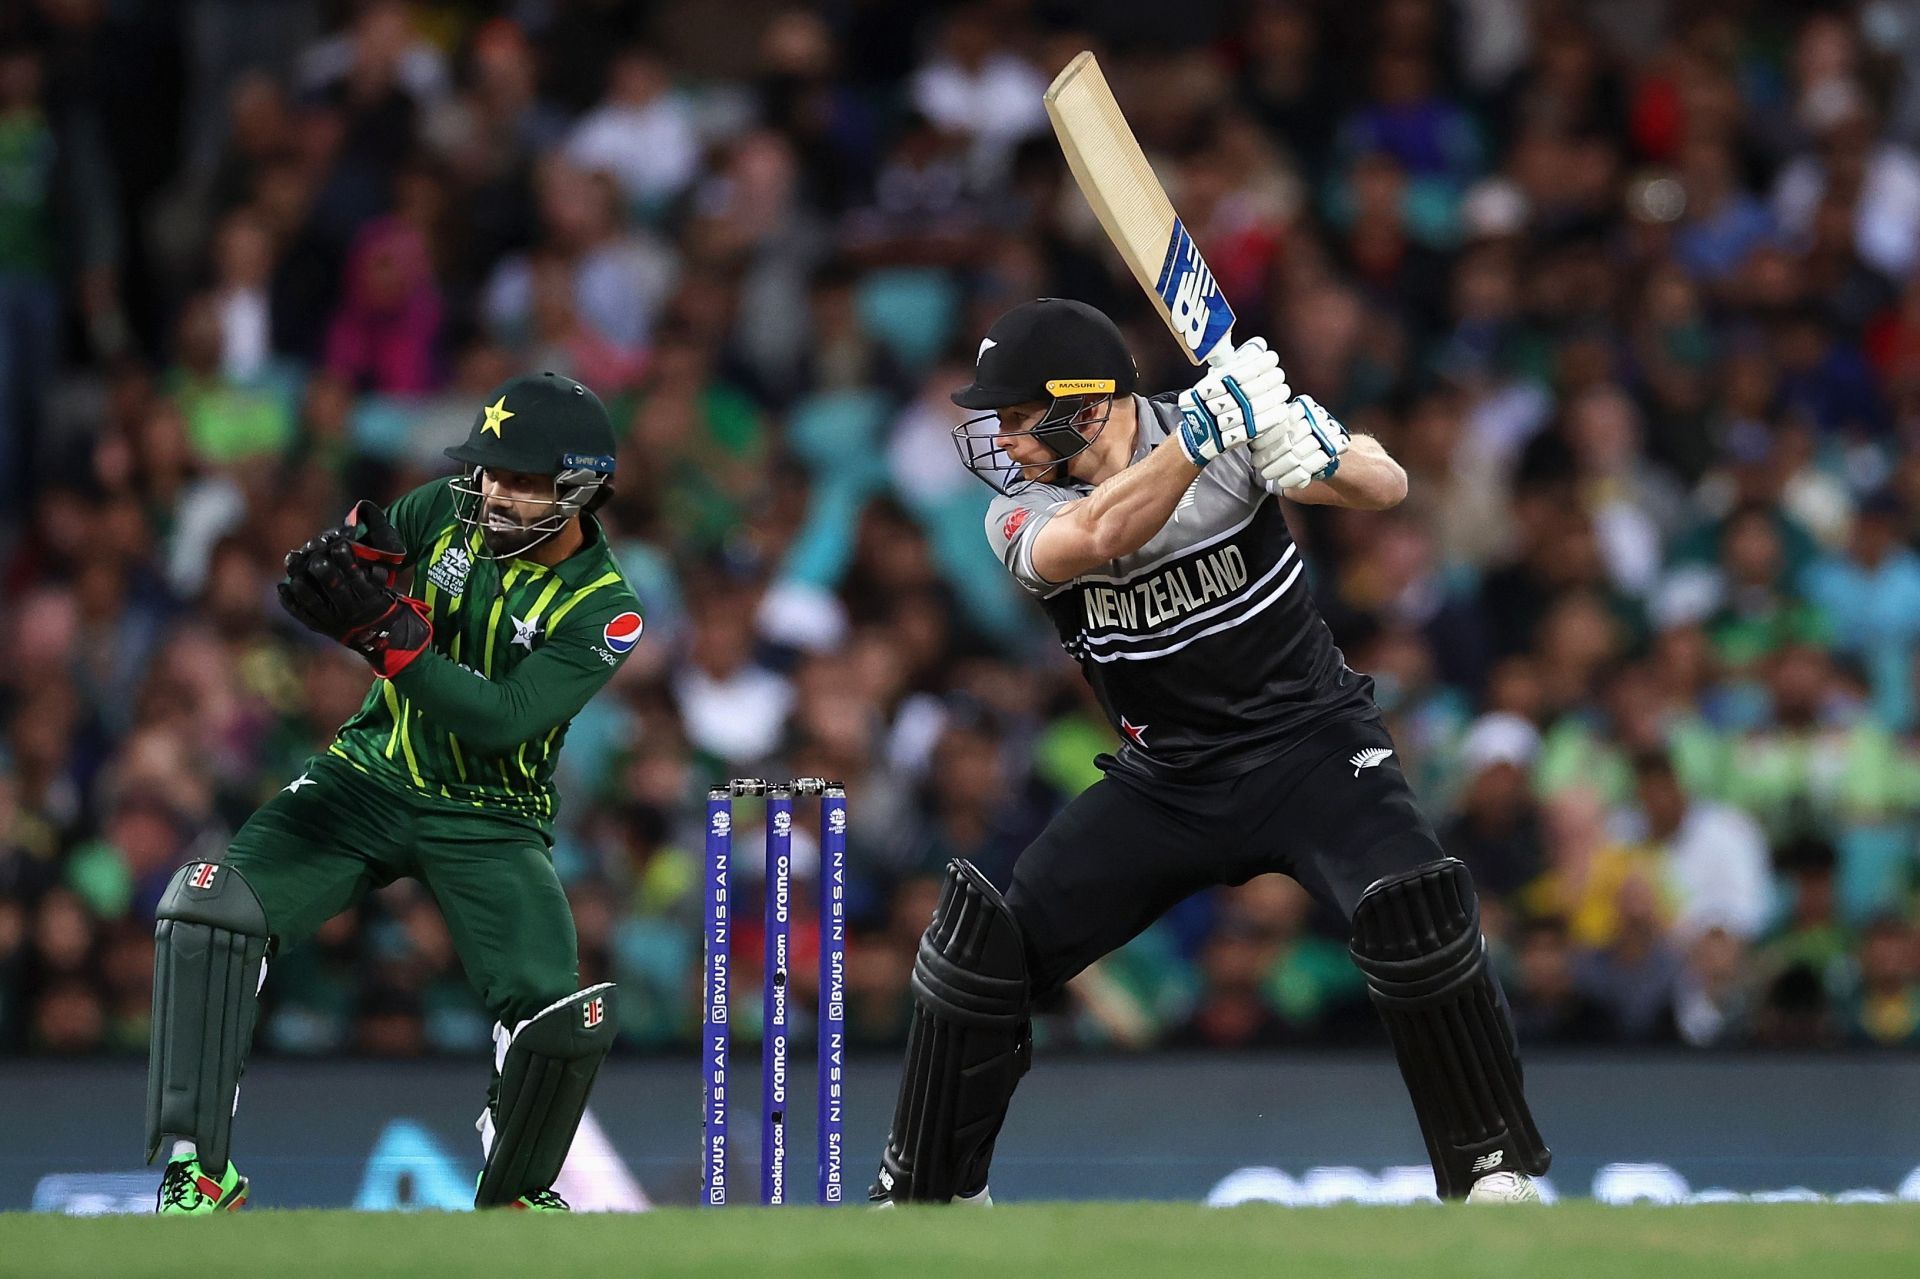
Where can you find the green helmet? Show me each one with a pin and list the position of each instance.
(536, 424)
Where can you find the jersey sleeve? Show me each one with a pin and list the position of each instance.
(422, 515)
(1013, 521)
(544, 691)
(1237, 464)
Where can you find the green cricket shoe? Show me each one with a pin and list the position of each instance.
(547, 1200)
(187, 1191)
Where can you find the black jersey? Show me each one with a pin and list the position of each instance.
(1203, 646)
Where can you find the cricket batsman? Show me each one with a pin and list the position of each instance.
(517, 614)
(1148, 531)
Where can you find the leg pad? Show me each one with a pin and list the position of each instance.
(1417, 938)
(547, 1066)
(210, 951)
(967, 1047)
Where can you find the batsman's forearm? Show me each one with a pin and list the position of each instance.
(1129, 508)
(1368, 480)
(493, 716)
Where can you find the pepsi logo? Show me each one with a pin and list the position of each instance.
(622, 633)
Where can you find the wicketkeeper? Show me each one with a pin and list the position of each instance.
(515, 617)
(1150, 532)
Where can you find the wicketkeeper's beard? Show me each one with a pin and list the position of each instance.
(507, 535)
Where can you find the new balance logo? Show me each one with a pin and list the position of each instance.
(1487, 1163)
(593, 1012)
(203, 874)
(1372, 757)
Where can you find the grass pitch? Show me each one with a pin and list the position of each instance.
(1039, 1241)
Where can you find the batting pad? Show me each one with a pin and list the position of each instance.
(546, 1075)
(1417, 938)
(210, 954)
(967, 1047)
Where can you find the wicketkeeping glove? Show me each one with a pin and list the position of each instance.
(319, 590)
(396, 637)
(339, 584)
(1239, 401)
(1303, 447)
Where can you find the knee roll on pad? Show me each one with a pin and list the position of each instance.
(546, 1074)
(210, 950)
(967, 1047)
(1417, 938)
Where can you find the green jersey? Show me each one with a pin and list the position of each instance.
(478, 719)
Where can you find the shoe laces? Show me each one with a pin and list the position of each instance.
(179, 1187)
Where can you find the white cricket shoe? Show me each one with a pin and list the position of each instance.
(1504, 1188)
(979, 1199)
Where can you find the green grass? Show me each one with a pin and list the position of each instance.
(1040, 1241)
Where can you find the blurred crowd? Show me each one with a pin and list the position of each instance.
(1628, 286)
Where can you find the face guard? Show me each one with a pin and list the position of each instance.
(578, 488)
(1062, 430)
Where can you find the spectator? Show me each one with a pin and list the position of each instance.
(1549, 1007)
(1713, 857)
(733, 707)
(1871, 594)
(29, 288)
(1497, 829)
(1232, 1012)
(1811, 936)
(642, 133)
(1635, 975)
(977, 87)
(620, 278)
(1883, 177)
(385, 336)
(1886, 1008)
(1713, 995)
(1780, 771)
(244, 263)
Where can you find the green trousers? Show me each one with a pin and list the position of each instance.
(335, 832)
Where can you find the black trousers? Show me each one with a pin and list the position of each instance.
(1334, 813)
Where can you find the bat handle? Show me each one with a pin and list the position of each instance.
(1222, 350)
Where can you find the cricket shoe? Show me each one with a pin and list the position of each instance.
(547, 1200)
(1504, 1188)
(878, 1197)
(188, 1191)
(541, 1201)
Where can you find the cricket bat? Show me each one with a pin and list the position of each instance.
(1117, 181)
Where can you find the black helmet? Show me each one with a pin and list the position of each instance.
(1056, 350)
(536, 424)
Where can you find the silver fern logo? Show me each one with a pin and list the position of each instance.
(1187, 499)
(1372, 757)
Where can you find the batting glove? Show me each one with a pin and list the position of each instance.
(1237, 402)
(1303, 447)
